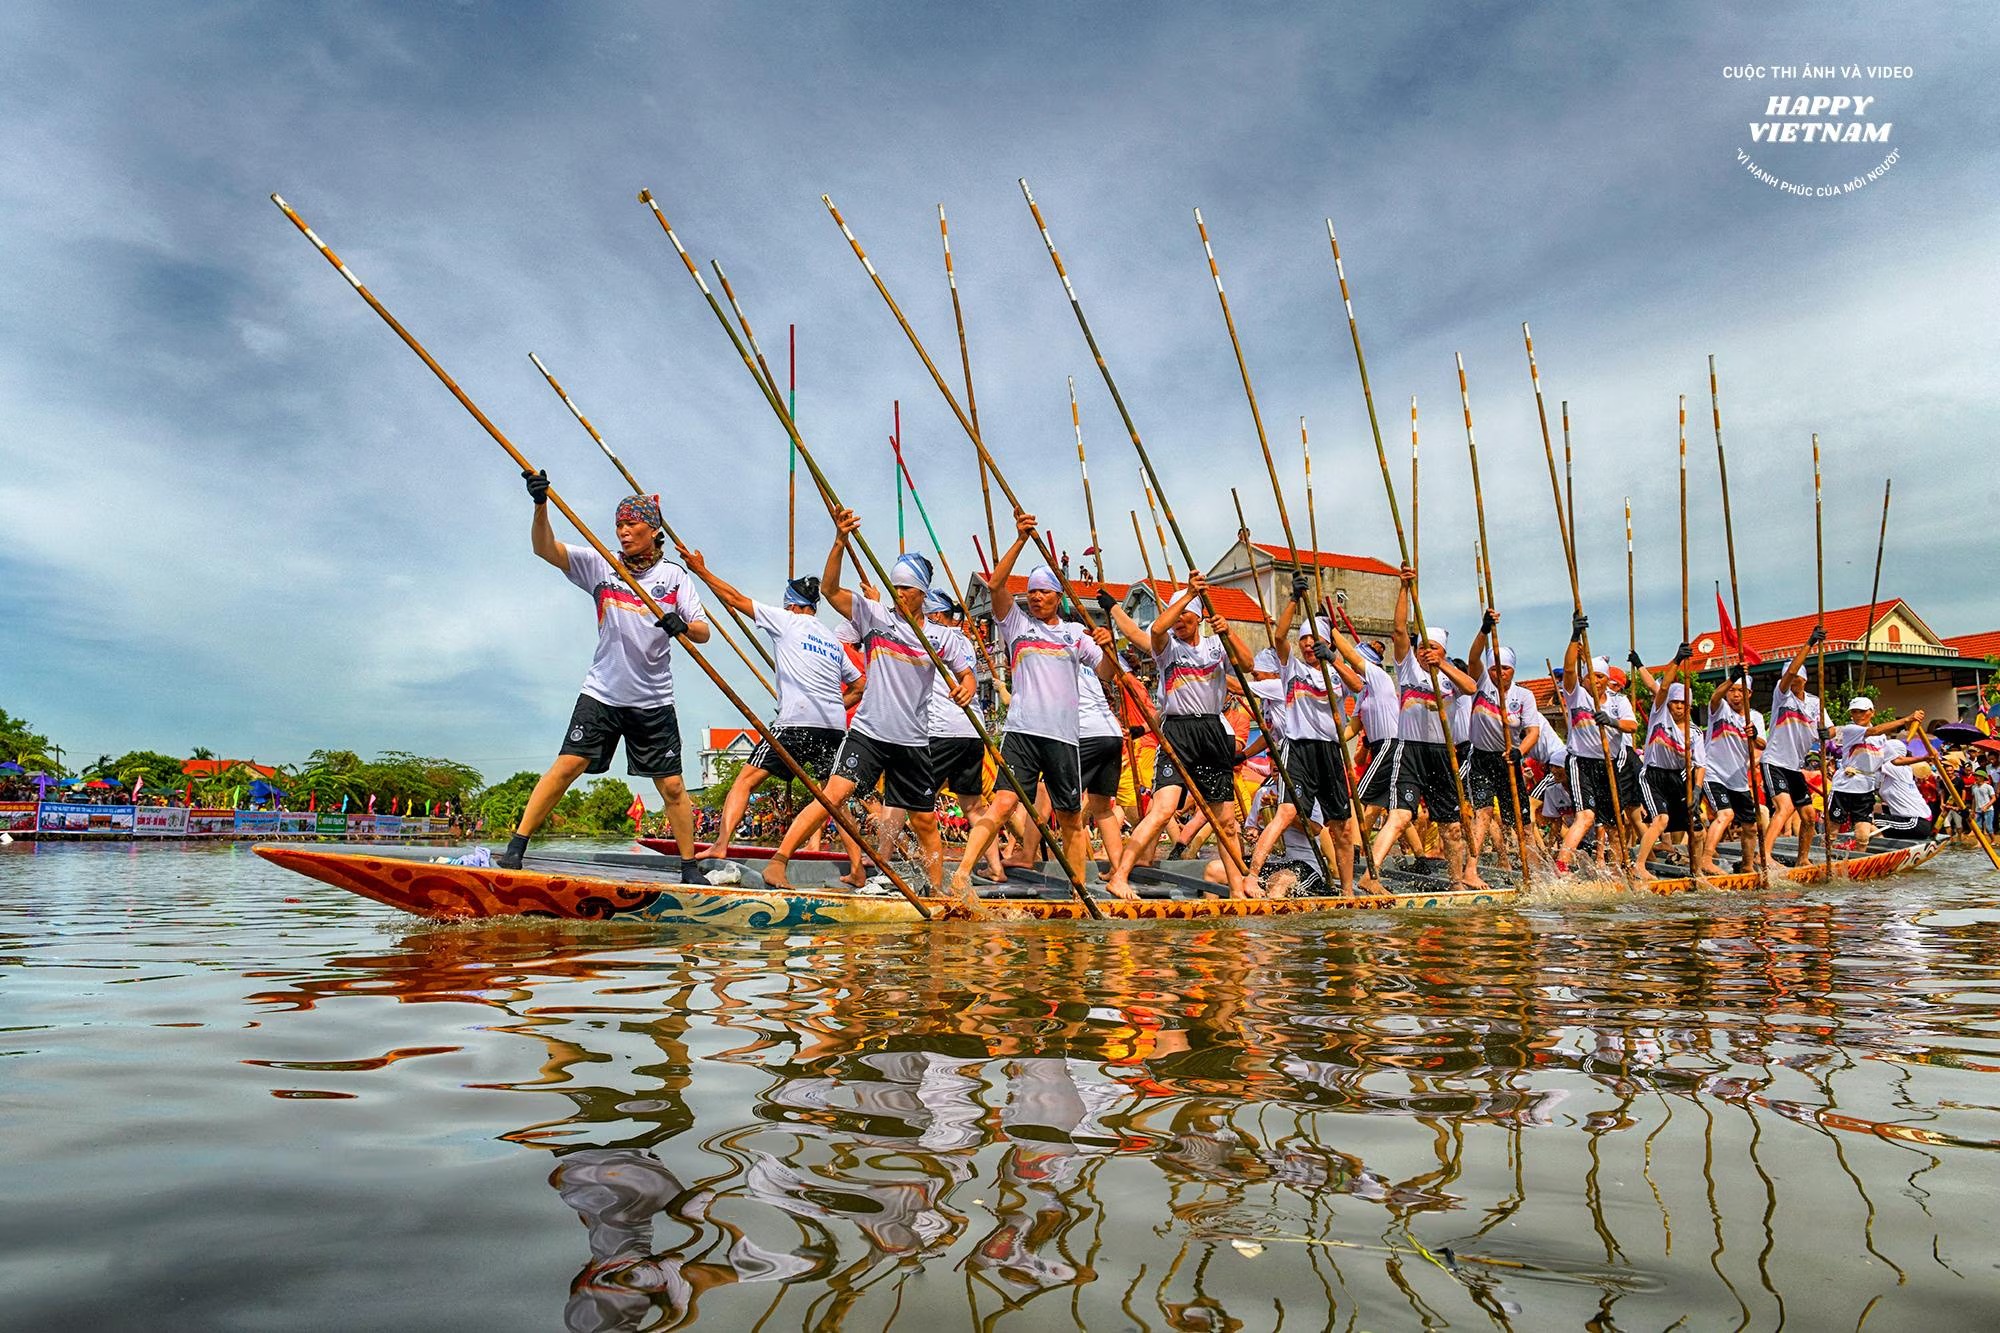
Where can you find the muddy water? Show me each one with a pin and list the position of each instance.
(233, 1098)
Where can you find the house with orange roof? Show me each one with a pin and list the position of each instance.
(1261, 570)
(723, 743)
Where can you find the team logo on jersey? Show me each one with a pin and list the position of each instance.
(853, 761)
(659, 590)
(576, 733)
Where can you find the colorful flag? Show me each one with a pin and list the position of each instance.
(137, 783)
(637, 814)
(343, 805)
(371, 802)
(1729, 638)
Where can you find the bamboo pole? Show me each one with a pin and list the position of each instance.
(1819, 580)
(1140, 537)
(770, 733)
(1243, 535)
(1681, 670)
(1565, 511)
(1736, 613)
(944, 562)
(1159, 530)
(965, 362)
(747, 630)
(1083, 467)
(1234, 855)
(831, 499)
(1875, 588)
(1485, 568)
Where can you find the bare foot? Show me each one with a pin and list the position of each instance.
(1473, 881)
(1371, 886)
(1118, 888)
(1639, 872)
(774, 873)
(855, 879)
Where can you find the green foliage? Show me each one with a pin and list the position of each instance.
(605, 802)
(501, 804)
(162, 772)
(23, 745)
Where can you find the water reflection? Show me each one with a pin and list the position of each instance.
(1731, 1113)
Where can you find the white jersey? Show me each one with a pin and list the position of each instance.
(1191, 677)
(895, 704)
(1619, 706)
(1860, 759)
(1795, 725)
(1381, 711)
(1419, 703)
(1487, 730)
(1900, 796)
(1666, 744)
(1095, 716)
(1271, 697)
(948, 720)
(1728, 747)
(813, 668)
(1585, 738)
(633, 666)
(1042, 661)
(1308, 712)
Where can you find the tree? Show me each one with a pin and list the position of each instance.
(501, 804)
(161, 772)
(23, 745)
(605, 803)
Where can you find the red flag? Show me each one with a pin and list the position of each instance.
(188, 799)
(637, 814)
(371, 802)
(312, 801)
(1750, 656)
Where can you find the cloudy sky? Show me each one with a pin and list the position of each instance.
(236, 512)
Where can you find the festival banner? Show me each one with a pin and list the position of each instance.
(388, 826)
(417, 826)
(17, 816)
(361, 826)
(160, 821)
(331, 824)
(297, 821)
(102, 821)
(210, 822)
(256, 822)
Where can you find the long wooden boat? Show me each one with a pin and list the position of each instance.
(608, 886)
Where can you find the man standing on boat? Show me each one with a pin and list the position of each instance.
(1732, 749)
(958, 756)
(1039, 742)
(889, 738)
(1312, 722)
(817, 682)
(1505, 725)
(1670, 744)
(1590, 771)
(1797, 722)
(629, 693)
(1860, 749)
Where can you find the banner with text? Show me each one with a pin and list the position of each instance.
(160, 821)
(17, 816)
(102, 821)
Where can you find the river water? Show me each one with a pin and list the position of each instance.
(235, 1098)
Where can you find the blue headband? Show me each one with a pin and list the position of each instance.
(803, 592)
(1044, 580)
(911, 571)
(938, 602)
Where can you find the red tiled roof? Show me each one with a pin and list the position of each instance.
(1363, 564)
(1845, 626)
(208, 768)
(721, 738)
(1234, 603)
(1976, 646)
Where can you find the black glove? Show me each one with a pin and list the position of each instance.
(673, 624)
(1578, 623)
(538, 486)
(1105, 601)
(1301, 585)
(1323, 651)
(1817, 637)
(1487, 622)
(1638, 662)
(1605, 719)
(1683, 653)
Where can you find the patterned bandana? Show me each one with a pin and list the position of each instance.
(642, 508)
(911, 571)
(938, 602)
(803, 592)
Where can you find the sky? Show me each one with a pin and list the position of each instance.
(236, 512)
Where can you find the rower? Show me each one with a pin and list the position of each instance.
(628, 694)
(888, 740)
(1625, 739)
(1192, 699)
(1860, 752)
(1732, 741)
(1797, 721)
(1421, 771)
(1590, 775)
(1100, 739)
(1905, 813)
(1663, 787)
(1505, 725)
(1039, 742)
(1312, 755)
(817, 682)
(958, 756)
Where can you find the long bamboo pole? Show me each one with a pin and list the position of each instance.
(1565, 515)
(1875, 588)
(1484, 551)
(1234, 855)
(1681, 669)
(1159, 530)
(1736, 613)
(896, 474)
(916, 624)
(944, 561)
(770, 733)
(1139, 536)
(1285, 522)
(1151, 477)
(1256, 586)
(965, 364)
(1819, 580)
(1416, 513)
(748, 631)
(1083, 467)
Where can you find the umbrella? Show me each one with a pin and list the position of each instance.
(98, 784)
(1958, 733)
(1991, 747)
(11, 767)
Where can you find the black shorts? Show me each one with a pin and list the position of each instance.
(1906, 826)
(1590, 786)
(813, 747)
(1738, 803)
(1665, 793)
(1043, 759)
(1420, 771)
(1486, 782)
(1375, 785)
(904, 771)
(1854, 807)
(959, 763)
(652, 738)
(1629, 796)
(1207, 747)
(1103, 760)
(1319, 779)
(1780, 781)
